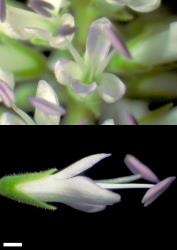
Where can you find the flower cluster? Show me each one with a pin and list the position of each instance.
(70, 187)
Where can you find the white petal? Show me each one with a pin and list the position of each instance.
(137, 5)
(38, 33)
(79, 189)
(83, 89)
(111, 88)
(10, 119)
(19, 19)
(98, 43)
(108, 122)
(56, 4)
(66, 71)
(88, 208)
(62, 41)
(144, 5)
(46, 92)
(7, 77)
(80, 166)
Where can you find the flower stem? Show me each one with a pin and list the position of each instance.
(26, 118)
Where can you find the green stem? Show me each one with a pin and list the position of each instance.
(78, 114)
(84, 13)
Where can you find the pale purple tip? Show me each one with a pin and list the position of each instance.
(153, 193)
(6, 94)
(137, 167)
(46, 107)
(2, 10)
(67, 30)
(80, 88)
(118, 42)
(131, 119)
(41, 7)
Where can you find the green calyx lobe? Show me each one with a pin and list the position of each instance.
(9, 188)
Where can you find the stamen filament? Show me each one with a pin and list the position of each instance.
(125, 179)
(105, 63)
(124, 185)
(27, 119)
(75, 55)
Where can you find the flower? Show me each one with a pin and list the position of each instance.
(86, 75)
(27, 25)
(137, 5)
(47, 109)
(64, 186)
(70, 187)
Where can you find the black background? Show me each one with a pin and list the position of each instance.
(125, 225)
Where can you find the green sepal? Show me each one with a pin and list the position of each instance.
(9, 187)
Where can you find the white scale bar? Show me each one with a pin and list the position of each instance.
(15, 244)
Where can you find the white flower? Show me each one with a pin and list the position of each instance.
(137, 5)
(27, 25)
(67, 187)
(87, 75)
(47, 109)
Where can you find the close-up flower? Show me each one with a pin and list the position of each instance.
(71, 187)
(86, 75)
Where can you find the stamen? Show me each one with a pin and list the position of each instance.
(6, 94)
(153, 193)
(124, 186)
(105, 63)
(118, 41)
(46, 107)
(67, 30)
(41, 7)
(75, 55)
(2, 10)
(26, 118)
(131, 119)
(125, 179)
(137, 167)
